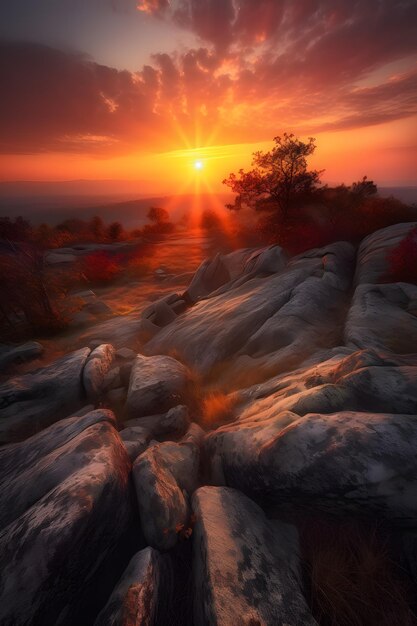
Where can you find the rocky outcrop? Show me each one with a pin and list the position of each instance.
(246, 569)
(32, 401)
(69, 507)
(157, 384)
(379, 393)
(138, 595)
(312, 368)
(267, 324)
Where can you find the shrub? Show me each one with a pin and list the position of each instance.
(402, 260)
(101, 267)
(33, 296)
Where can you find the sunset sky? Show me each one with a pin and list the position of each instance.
(141, 90)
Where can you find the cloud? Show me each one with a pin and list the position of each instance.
(308, 66)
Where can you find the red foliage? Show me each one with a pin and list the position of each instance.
(101, 267)
(402, 260)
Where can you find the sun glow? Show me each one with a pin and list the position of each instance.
(198, 165)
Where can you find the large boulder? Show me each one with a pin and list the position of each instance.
(224, 270)
(165, 475)
(246, 569)
(139, 432)
(138, 595)
(33, 401)
(267, 324)
(373, 253)
(16, 354)
(69, 508)
(96, 369)
(346, 461)
(383, 317)
(157, 384)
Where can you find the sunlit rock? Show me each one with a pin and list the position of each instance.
(138, 594)
(157, 383)
(96, 368)
(69, 506)
(246, 569)
(341, 462)
(383, 317)
(165, 475)
(32, 401)
(268, 324)
(121, 331)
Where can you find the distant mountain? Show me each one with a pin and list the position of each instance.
(406, 194)
(130, 211)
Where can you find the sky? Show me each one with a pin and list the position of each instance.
(144, 89)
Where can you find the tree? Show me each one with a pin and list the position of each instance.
(114, 231)
(96, 226)
(364, 188)
(210, 220)
(158, 215)
(278, 178)
(160, 222)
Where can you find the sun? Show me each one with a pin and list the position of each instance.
(198, 165)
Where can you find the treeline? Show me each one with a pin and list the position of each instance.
(76, 230)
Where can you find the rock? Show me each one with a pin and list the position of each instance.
(211, 275)
(112, 379)
(83, 411)
(125, 371)
(125, 354)
(116, 399)
(55, 258)
(361, 462)
(165, 475)
(383, 317)
(70, 507)
(195, 434)
(224, 271)
(175, 422)
(81, 318)
(121, 331)
(159, 313)
(16, 354)
(97, 308)
(135, 440)
(157, 383)
(372, 263)
(246, 568)
(266, 325)
(96, 369)
(137, 596)
(34, 401)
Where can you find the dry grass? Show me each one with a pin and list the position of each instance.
(353, 579)
(217, 408)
